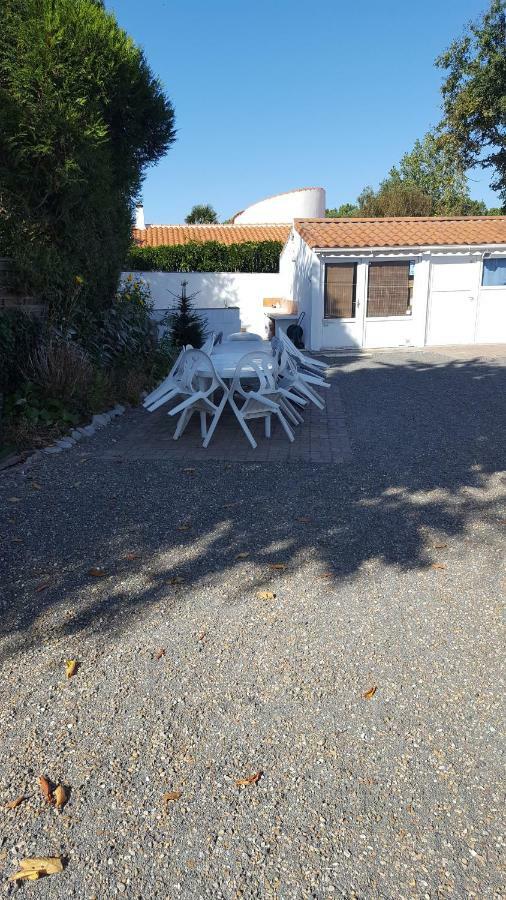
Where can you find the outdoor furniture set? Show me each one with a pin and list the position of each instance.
(258, 379)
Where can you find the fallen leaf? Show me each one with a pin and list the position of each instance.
(189, 471)
(251, 779)
(60, 796)
(96, 572)
(70, 667)
(242, 555)
(184, 526)
(159, 653)
(37, 867)
(132, 556)
(502, 521)
(43, 586)
(176, 579)
(440, 546)
(202, 635)
(277, 566)
(13, 804)
(14, 499)
(46, 788)
(370, 693)
(438, 566)
(171, 795)
(327, 575)
(266, 595)
(17, 540)
(304, 520)
(36, 486)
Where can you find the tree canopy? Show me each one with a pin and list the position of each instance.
(202, 214)
(474, 95)
(81, 117)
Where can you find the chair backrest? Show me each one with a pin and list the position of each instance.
(290, 346)
(209, 344)
(261, 368)
(194, 365)
(244, 336)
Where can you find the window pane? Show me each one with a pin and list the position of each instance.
(389, 289)
(494, 272)
(340, 286)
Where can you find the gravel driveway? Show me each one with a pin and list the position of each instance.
(368, 692)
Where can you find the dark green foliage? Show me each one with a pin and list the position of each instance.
(474, 95)
(81, 116)
(184, 323)
(346, 210)
(202, 214)
(18, 337)
(31, 403)
(209, 256)
(125, 333)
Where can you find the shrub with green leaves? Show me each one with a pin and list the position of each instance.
(208, 256)
(81, 117)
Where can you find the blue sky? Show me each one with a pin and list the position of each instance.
(280, 94)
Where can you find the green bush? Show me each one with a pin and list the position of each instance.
(209, 256)
(18, 338)
(81, 117)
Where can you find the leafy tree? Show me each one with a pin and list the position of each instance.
(202, 214)
(436, 171)
(186, 325)
(474, 95)
(395, 197)
(81, 117)
(346, 210)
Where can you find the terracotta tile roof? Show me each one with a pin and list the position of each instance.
(403, 231)
(163, 235)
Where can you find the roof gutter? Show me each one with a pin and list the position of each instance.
(411, 248)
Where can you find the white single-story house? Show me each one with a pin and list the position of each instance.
(361, 283)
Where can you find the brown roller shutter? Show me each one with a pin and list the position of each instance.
(340, 286)
(388, 289)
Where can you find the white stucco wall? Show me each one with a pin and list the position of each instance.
(243, 291)
(305, 203)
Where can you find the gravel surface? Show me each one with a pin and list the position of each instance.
(188, 681)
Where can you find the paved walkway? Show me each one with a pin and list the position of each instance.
(363, 695)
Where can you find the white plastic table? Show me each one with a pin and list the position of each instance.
(226, 355)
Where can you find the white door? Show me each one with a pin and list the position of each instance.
(343, 293)
(491, 323)
(453, 301)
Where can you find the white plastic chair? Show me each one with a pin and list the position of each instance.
(296, 380)
(244, 336)
(197, 382)
(209, 344)
(166, 390)
(266, 400)
(302, 359)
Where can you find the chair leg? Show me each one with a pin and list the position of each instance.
(288, 431)
(289, 412)
(203, 424)
(183, 420)
(214, 422)
(267, 421)
(286, 405)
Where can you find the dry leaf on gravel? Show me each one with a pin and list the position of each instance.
(303, 520)
(43, 586)
(278, 567)
(132, 556)
(189, 471)
(176, 579)
(367, 695)
(36, 486)
(70, 667)
(96, 571)
(184, 526)
(438, 566)
(440, 546)
(36, 867)
(171, 795)
(46, 788)
(202, 635)
(159, 653)
(327, 575)
(14, 499)
(17, 540)
(243, 555)
(60, 796)
(13, 804)
(250, 779)
(266, 595)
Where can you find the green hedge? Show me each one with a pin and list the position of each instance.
(210, 256)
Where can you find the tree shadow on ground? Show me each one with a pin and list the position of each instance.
(428, 447)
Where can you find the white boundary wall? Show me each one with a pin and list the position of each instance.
(218, 291)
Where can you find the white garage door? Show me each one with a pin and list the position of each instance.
(452, 301)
